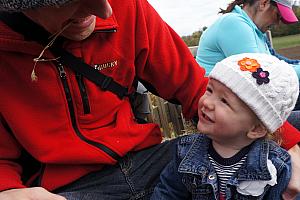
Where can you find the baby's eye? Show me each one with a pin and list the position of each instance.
(209, 90)
(224, 101)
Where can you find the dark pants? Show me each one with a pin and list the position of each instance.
(297, 106)
(294, 119)
(134, 177)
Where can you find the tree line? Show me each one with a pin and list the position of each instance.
(277, 31)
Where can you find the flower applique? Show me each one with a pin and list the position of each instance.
(261, 76)
(256, 188)
(251, 65)
(248, 64)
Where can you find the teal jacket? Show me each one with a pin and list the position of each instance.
(233, 33)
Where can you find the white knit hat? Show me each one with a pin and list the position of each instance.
(269, 86)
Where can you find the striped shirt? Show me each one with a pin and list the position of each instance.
(226, 167)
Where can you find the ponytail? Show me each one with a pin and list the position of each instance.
(231, 6)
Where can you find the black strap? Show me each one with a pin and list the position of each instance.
(105, 82)
(33, 32)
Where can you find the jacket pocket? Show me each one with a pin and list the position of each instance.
(83, 94)
(199, 190)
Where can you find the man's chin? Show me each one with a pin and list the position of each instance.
(77, 37)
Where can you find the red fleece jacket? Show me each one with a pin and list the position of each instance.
(71, 135)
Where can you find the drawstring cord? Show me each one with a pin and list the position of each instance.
(34, 77)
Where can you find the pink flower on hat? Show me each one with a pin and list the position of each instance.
(248, 64)
(261, 76)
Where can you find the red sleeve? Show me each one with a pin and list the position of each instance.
(10, 171)
(290, 135)
(164, 61)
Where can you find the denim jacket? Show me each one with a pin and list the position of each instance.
(190, 175)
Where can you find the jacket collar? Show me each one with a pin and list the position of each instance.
(106, 24)
(196, 160)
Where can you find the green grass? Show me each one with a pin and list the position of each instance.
(286, 41)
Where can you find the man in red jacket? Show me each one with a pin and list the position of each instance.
(65, 134)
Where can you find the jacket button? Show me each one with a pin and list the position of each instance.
(211, 177)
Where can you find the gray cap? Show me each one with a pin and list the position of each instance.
(21, 5)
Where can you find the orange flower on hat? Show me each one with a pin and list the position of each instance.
(248, 64)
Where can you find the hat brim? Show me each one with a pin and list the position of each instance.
(287, 14)
(21, 5)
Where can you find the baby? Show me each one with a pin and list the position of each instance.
(247, 99)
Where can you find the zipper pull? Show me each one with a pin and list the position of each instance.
(62, 72)
(112, 30)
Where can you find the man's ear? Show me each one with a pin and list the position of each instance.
(258, 131)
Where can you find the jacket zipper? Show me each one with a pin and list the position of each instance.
(63, 78)
(37, 181)
(40, 177)
(84, 96)
(112, 30)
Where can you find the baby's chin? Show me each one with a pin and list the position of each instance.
(201, 129)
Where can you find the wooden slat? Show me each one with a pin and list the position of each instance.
(168, 116)
(176, 118)
(163, 117)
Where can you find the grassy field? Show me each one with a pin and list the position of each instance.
(286, 41)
